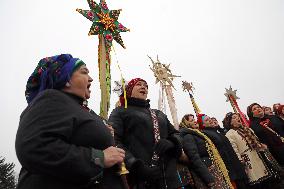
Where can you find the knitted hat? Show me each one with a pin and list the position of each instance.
(200, 120)
(51, 73)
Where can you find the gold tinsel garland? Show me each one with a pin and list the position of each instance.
(216, 158)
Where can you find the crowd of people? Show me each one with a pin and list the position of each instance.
(61, 143)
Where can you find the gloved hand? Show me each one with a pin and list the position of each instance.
(163, 146)
(144, 172)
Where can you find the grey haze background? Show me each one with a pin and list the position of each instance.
(213, 43)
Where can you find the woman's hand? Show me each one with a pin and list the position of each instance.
(112, 156)
(264, 146)
(108, 125)
(210, 185)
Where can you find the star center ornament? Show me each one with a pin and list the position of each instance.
(107, 21)
(162, 72)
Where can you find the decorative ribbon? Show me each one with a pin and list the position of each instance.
(156, 132)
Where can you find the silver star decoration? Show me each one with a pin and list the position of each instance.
(187, 86)
(118, 89)
(232, 93)
(162, 72)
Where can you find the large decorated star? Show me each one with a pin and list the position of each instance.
(231, 93)
(187, 86)
(104, 22)
(162, 72)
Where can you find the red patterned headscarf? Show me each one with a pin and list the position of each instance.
(129, 89)
(131, 84)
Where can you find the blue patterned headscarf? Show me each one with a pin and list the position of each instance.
(51, 73)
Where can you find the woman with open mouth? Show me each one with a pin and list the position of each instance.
(151, 143)
(60, 143)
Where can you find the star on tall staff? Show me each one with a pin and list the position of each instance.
(232, 98)
(189, 88)
(104, 24)
(163, 74)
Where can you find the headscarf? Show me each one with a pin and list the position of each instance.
(129, 87)
(51, 73)
(275, 109)
(184, 121)
(249, 110)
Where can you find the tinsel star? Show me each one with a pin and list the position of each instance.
(232, 93)
(162, 72)
(187, 86)
(118, 88)
(104, 22)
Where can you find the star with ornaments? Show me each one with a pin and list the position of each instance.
(105, 22)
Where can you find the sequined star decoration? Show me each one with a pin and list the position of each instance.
(232, 98)
(162, 72)
(119, 87)
(189, 88)
(186, 86)
(105, 22)
(230, 93)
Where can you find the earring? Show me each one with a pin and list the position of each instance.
(68, 84)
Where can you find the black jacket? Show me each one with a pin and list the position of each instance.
(134, 132)
(194, 147)
(59, 145)
(274, 143)
(278, 124)
(235, 168)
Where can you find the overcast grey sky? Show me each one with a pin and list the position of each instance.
(212, 43)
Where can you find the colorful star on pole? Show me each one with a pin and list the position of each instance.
(104, 22)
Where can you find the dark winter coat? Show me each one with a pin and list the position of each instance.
(274, 143)
(235, 168)
(134, 132)
(278, 124)
(59, 145)
(194, 147)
